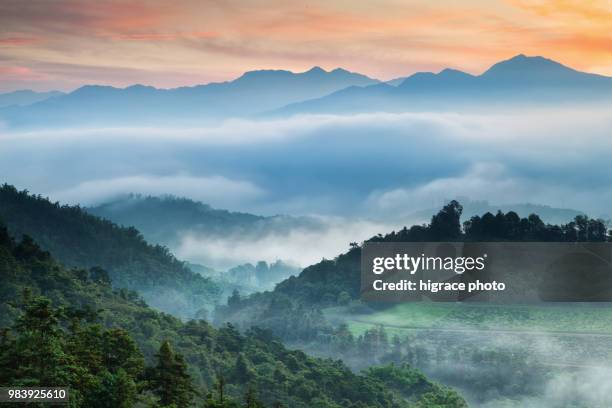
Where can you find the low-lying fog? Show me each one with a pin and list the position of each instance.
(363, 174)
(566, 364)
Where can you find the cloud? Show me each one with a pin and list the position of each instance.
(18, 41)
(377, 166)
(585, 386)
(490, 182)
(217, 190)
(301, 246)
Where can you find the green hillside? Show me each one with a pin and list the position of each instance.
(70, 327)
(78, 239)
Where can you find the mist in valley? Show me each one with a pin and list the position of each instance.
(377, 173)
(490, 368)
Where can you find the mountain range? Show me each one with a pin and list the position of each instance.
(253, 92)
(519, 81)
(26, 97)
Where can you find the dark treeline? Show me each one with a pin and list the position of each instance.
(446, 226)
(70, 327)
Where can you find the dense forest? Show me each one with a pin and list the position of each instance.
(70, 327)
(293, 309)
(78, 239)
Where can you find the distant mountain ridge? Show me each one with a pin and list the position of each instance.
(519, 81)
(251, 93)
(25, 97)
(164, 220)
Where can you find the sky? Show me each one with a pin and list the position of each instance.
(64, 44)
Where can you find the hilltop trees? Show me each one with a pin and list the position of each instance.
(446, 224)
(510, 227)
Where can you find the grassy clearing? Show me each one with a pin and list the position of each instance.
(557, 317)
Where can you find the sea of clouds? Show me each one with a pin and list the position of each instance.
(369, 170)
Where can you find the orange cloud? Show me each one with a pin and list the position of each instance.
(172, 43)
(18, 73)
(164, 37)
(18, 41)
(592, 10)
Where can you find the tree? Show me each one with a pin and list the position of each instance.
(242, 369)
(250, 399)
(99, 275)
(446, 225)
(170, 380)
(344, 298)
(221, 401)
(115, 390)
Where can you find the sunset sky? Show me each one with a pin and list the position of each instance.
(64, 44)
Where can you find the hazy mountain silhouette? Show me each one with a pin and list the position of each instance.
(520, 80)
(25, 97)
(165, 220)
(253, 92)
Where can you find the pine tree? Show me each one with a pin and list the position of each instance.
(170, 380)
(250, 399)
(242, 369)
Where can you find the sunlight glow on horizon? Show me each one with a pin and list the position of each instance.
(66, 44)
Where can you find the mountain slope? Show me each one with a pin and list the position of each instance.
(519, 81)
(253, 92)
(252, 360)
(78, 239)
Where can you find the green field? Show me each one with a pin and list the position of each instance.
(575, 318)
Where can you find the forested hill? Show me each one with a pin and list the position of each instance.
(166, 220)
(70, 328)
(78, 239)
(292, 309)
(163, 219)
